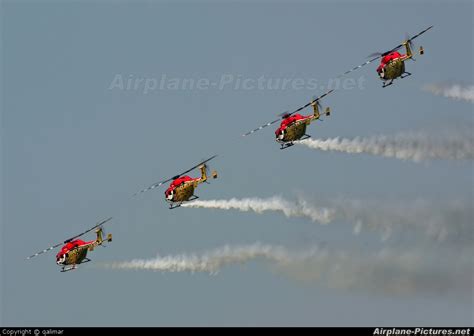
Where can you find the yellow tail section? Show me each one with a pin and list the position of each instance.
(203, 173)
(316, 110)
(408, 49)
(99, 238)
(317, 114)
(204, 177)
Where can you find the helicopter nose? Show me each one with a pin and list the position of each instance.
(60, 260)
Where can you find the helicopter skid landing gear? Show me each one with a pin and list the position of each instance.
(385, 83)
(290, 143)
(405, 74)
(286, 145)
(192, 198)
(64, 269)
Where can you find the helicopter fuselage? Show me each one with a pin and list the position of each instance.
(73, 252)
(393, 69)
(294, 131)
(182, 192)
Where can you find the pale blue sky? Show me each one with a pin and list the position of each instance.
(74, 151)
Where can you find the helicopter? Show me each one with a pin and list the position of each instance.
(392, 62)
(74, 251)
(293, 125)
(182, 186)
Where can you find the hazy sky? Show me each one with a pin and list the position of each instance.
(76, 146)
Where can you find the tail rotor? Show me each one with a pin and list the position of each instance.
(210, 172)
(326, 112)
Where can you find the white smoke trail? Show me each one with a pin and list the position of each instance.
(405, 146)
(387, 270)
(446, 221)
(453, 91)
(212, 261)
(275, 203)
(449, 220)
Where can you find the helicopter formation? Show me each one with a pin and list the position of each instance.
(293, 127)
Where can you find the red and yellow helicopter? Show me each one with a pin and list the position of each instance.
(74, 251)
(293, 126)
(182, 186)
(392, 63)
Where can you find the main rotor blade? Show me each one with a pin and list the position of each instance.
(360, 66)
(422, 32)
(70, 239)
(153, 186)
(45, 250)
(288, 114)
(378, 53)
(312, 101)
(92, 228)
(263, 126)
(157, 184)
(187, 171)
